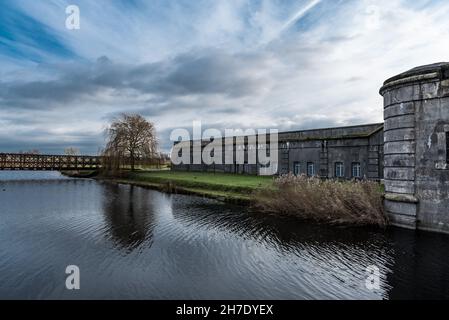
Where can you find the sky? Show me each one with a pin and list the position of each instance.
(273, 64)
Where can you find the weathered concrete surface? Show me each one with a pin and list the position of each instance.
(400, 135)
(416, 113)
(400, 187)
(323, 147)
(410, 150)
(399, 160)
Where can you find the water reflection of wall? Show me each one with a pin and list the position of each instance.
(421, 265)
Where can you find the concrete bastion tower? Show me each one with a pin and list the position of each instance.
(416, 147)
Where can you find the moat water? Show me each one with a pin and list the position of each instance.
(133, 243)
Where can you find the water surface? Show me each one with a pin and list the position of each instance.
(133, 243)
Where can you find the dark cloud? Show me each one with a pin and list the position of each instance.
(212, 72)
(189, 82)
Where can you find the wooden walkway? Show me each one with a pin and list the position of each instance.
(14, 161)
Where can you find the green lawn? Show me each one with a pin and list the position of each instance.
(206, 180)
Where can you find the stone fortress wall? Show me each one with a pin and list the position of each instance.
(409, 152)
(416, 137)
(356, 150)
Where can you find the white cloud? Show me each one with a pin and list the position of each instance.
(323, 67)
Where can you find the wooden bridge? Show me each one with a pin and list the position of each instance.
(16, 161)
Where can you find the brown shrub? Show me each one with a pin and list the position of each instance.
(333, 201)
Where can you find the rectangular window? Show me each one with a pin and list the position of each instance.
(310, 169)
(296, 168)
(356, 170)
(447, 147)
(339, 170)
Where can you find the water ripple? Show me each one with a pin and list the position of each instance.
(130, 242)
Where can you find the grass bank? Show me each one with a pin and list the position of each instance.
(225, 187)
(329, 201)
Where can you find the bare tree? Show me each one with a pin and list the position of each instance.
(131, 136)
(71, 151)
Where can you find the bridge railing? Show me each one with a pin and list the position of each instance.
(17, 161)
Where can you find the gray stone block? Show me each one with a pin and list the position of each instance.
(399, 135)
(399, 147)
(405, 93)
(406, 121)
(373, 175)
(403, 108)
(430, 90)
(397, 220)
(399, 160)
(373, 155)
(444, 88)
(397, 186)
(401, 208)
(405, 174)
(387, 98)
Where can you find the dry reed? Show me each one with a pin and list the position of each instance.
(333, 201)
